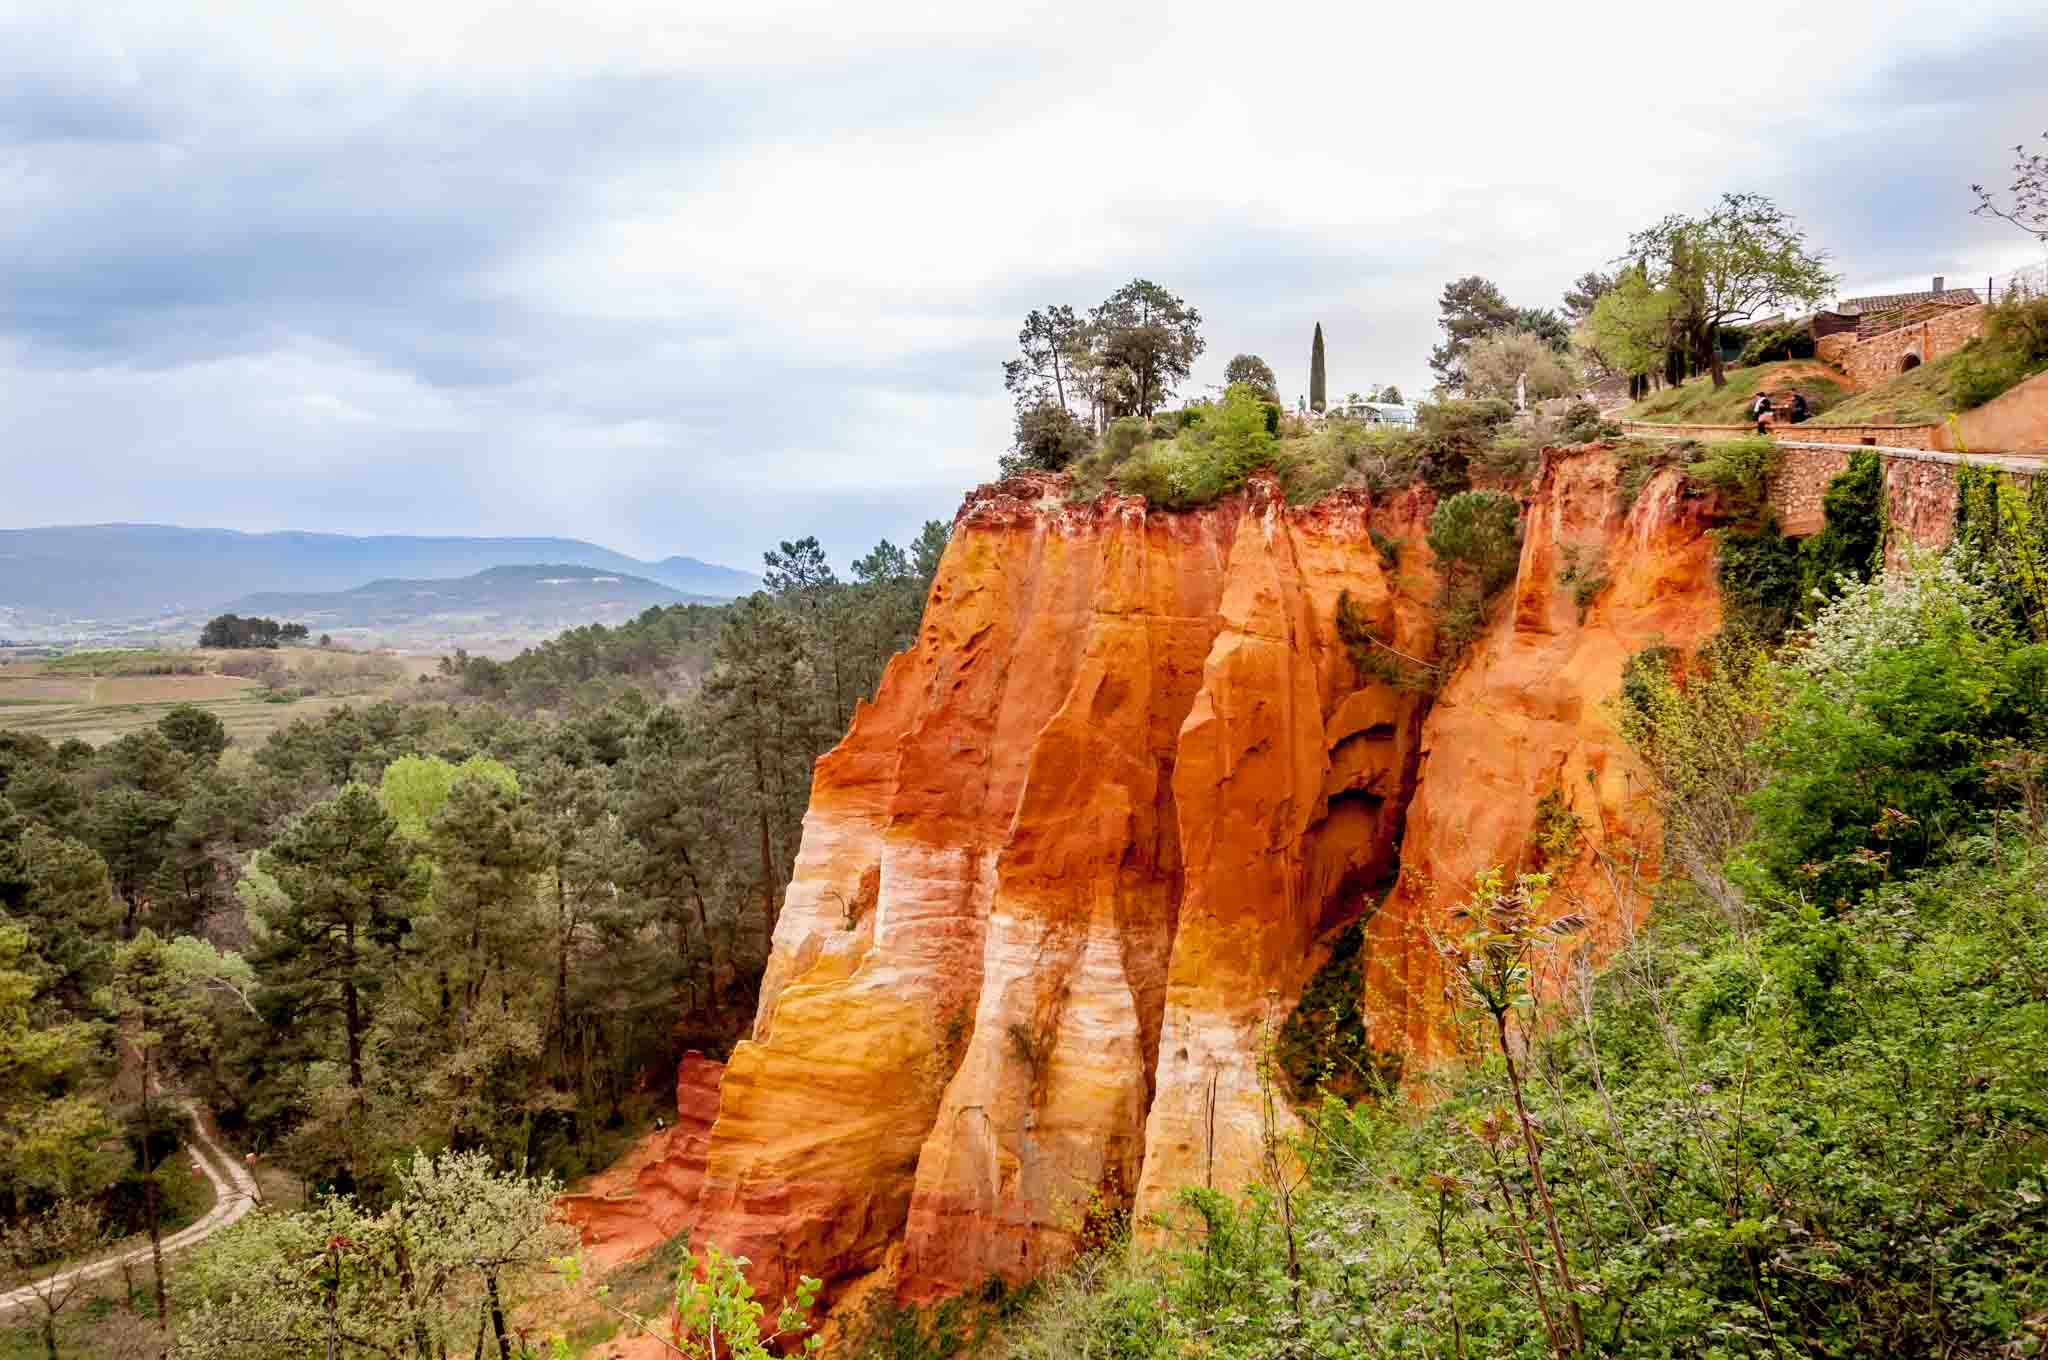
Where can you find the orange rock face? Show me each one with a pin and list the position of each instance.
(1065, 878)
(1527, 716)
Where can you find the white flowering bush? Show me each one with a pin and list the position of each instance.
(1896, 609)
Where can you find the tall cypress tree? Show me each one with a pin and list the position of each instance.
(1318, 389)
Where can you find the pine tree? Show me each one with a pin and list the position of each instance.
(1318, 391)
(347, 894)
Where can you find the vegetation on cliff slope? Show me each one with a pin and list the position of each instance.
(485, 919)
(1804, 1111)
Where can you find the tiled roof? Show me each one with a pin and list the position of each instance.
(1891, 302)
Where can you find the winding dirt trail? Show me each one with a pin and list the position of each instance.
(234, 1195)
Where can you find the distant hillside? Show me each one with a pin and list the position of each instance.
(515, 601)
(139, 571)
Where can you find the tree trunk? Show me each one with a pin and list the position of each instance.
(50, 1334)
(498, 1318)
(156, 1237)
(1714, 353)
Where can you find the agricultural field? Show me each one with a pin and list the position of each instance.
(99, 696)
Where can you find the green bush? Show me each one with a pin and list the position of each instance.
(1582, 424)
(1124, 434)
(1450, 433)
(1047, 439)
(2013, 348)
(1207, 461)
(1739, 471)
(1759, 574)
(1849, 542)
(1478, 534)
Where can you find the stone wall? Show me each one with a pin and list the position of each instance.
(2017, 420)
(1800, 482)
(1919, 504)
(1880, 436)
(1872, 361)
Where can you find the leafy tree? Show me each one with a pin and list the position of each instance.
(1544, 324)
(340, 1280)
(1725, 265)
(1390, 394)
(67, 1230)
(1047, 438)
(415, 788)
(2027, 207)
(1477, 539)
(1630, 328)
(165, 1024)
(1254, 373)
(1041, 373)
(232, 630)
(1150, 337)
(1584, 294)
(194, 732)
(346, 895)
(1470, 308)
(49, 1135)
(1318, 378)
(1497, 364)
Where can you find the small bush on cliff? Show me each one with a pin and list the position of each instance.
(1582, 423)
(1477, 539)
(1450, 433)
(1739, 471)
(1758, 572)
(1848, 545)
(1047, 438)
(1323, 1044)
(1204, 463)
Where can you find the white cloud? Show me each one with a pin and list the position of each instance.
(685, 277)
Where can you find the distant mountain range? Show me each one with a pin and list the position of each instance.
(517, 601)
(116, 573)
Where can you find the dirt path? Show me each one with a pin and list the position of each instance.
(234, 1195)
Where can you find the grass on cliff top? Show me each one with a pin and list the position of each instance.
(1698, 401)
(1921, 396)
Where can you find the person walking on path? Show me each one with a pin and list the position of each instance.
(1761, 409)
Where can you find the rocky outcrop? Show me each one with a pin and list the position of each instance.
(1065, 878)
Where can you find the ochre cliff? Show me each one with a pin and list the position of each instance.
(1066, 876)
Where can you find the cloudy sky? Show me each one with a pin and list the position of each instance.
(695, 276)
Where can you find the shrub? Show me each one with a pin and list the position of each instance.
(1322, 1045)
(1478, 535)
(1449, 433)
(1124, 434)
(2003, 526)
(1206, 462)
(2013, 348)
(1739, 471)
(1584, 573)
(1849, 542)
(1582, 424)
(1477, 539)
(1047, 438)
(1758, 571)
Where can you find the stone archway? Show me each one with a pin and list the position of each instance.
(1910, 362)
